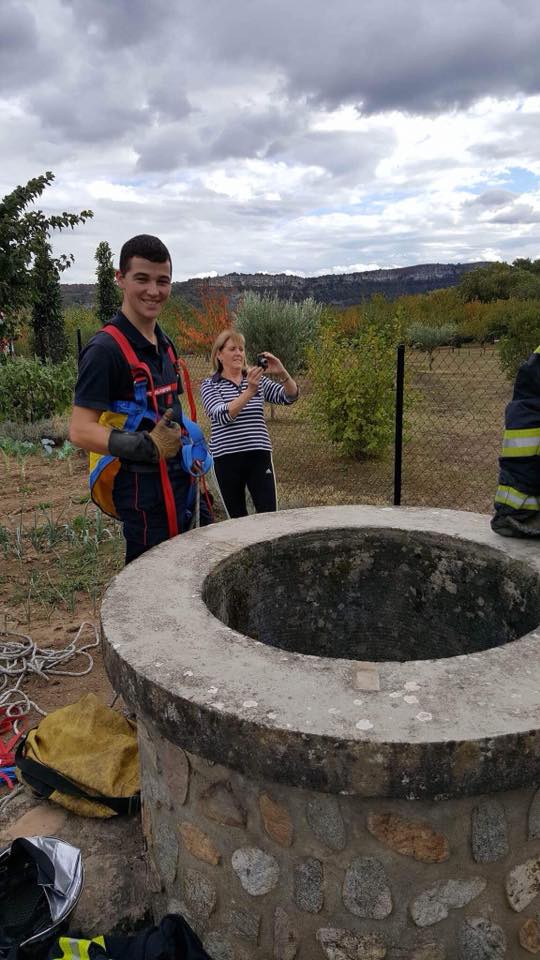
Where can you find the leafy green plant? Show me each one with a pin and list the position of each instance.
(352, 387)
(283, 327)
(56, 428)
(49, 333)
(17, 448)
(522, 319)
(31, 390)
(83, 319)
(23, 233)
(108, 295)
(428, 339)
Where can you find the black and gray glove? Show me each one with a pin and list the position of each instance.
(133, 446)
(143, 447)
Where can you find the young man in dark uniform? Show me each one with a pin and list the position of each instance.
(105, 385)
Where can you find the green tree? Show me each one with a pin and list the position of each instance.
(487, 283)
(522, 320)
(31, 390)
(525, 263)
(108, 295)
(501, 281)
(49, 334)
(282, 327)
(352, 386)
(22, 234)
(428, 339)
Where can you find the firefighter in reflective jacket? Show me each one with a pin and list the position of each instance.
(517, 501)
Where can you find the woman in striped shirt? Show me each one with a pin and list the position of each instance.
(233, 399)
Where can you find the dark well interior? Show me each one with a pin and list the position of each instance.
(371, 594)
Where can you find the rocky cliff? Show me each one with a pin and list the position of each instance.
(341, 289)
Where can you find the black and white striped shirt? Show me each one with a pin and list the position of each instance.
(248, 430)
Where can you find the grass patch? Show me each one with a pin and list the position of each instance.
(55, 562)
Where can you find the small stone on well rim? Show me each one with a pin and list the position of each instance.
(367, 677)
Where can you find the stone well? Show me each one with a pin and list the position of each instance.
(338, 712)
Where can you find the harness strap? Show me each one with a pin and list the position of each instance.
(140, 370)
(187, 380)
(44, 780)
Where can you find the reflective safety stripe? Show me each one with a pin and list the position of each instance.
(521, 443)
(516, 499)
(167, 388)
(76, 949)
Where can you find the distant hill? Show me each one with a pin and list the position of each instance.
(340, 289)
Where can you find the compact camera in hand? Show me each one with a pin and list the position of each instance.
(261, 361)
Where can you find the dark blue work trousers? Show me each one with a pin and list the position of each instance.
(138, 499)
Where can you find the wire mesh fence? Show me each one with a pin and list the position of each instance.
(453, 415)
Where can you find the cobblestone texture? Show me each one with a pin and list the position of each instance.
(257, 871)
(435, 903)
(489, 832)
(365, 889)
(281, 868)
(324, 818)
(480, 939)
(308, 885)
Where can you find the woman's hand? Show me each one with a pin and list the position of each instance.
(276, 368)
(254, 376)
(275, 365)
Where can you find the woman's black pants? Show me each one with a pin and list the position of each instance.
(253, 470)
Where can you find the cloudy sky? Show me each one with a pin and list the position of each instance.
(279, 135)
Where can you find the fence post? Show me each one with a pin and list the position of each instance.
(398, 436)
(79, 342)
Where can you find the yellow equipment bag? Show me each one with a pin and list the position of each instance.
(84, 757)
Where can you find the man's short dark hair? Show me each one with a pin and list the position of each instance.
(146, 246)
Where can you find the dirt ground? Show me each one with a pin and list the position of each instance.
(45, 591)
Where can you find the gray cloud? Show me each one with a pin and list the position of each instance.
(421, 57)
(85, 116)
(352, 154)
(250, 133)
(22, 52)
(124, 23)
(518, 213)
(514, 138)
(492, 198)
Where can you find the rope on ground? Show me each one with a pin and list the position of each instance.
(22, 658)
(10, 796)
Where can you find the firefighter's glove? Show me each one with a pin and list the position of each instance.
(166, 436)
(132, 446)
(143, 447)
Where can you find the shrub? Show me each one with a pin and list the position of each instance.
(522, 320)
(352, 396)
(428, 339)
(48, 330)
(77, 317)
(31, 390)
(282, 327)
(198, 327)
(55, 428)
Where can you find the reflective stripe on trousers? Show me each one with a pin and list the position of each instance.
(521, 443)
(516, 499)
(77, 949)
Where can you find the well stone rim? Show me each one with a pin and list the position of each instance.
(446, 727)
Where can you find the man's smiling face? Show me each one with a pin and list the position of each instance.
(145, 286)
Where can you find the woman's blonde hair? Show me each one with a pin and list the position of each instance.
(220, 341)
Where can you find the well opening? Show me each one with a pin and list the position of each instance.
(375, 594)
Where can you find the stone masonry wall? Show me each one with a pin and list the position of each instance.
(264, 871)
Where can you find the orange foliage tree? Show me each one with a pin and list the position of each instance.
(198, 330)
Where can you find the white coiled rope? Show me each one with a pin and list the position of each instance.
(21, 659)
